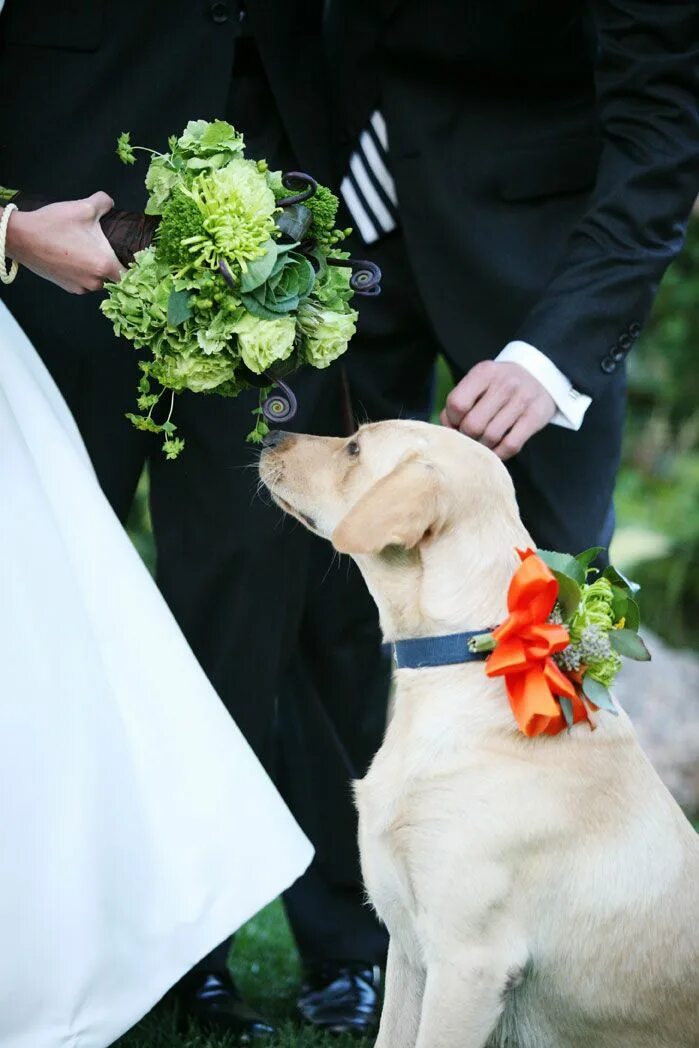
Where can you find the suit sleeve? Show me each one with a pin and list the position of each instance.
(647, 85)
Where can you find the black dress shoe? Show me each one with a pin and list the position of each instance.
(213, 1001)
(342, 998)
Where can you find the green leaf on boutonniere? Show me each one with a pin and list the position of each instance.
(567, 710)
(632, 616)
(178, 308)
(569, 594)
(598, 694)
(587, 556)
(628, 643)
(626, 608)
(564, 564)
(617, 579)
(620, 602)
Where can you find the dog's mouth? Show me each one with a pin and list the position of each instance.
(271, 474)
(293, 512)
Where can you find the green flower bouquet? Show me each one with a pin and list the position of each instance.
(244, 282)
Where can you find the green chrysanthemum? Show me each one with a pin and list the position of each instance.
(589, 634)
(237, 208)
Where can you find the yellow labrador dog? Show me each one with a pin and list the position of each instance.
(539, 893)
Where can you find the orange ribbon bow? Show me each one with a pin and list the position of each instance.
(526, 642)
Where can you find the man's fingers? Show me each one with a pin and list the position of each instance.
(515, 439)
(444, 419)
(476, 421)
(502, 423)
(465, 394)
(101, 203)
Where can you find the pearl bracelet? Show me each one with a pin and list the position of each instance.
(6, 275)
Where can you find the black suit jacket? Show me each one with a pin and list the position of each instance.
(546, 156)
(75, 73)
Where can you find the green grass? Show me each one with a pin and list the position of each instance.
(266, 968)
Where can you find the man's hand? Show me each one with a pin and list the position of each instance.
(64, 243)
(499, 404)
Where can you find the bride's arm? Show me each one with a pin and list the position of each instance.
(64, 243)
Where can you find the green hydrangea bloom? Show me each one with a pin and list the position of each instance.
(161, 179)
(263, 343)
(237, 207)
(202, 138)
(327, 332)
(332, 288)
(137, 304)
(216, 338)
(189, 369)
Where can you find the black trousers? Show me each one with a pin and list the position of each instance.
(564, 480)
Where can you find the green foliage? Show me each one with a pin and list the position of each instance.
(124, 149)
(658, 490)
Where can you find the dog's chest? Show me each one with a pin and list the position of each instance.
(387, 851)
(386, 873)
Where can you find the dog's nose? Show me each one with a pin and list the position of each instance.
(274, 438)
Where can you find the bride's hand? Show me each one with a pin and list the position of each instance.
(65, 244)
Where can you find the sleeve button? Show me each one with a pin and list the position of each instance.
(608, 364)
(625, 342)
(634, 330)
(219, 12)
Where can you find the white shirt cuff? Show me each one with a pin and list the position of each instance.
(571, 404)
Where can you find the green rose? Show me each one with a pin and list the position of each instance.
(263, 343)
(327, 332)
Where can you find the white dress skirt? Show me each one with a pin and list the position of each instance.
(137, 828)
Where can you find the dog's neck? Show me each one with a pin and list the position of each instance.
(447, 585)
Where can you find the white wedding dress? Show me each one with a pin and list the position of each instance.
(137, 829)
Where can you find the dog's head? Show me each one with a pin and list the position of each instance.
(412, 503)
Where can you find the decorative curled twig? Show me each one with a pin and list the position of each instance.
(225, 272)
(282, 406)
(366, 275)
(304, 184)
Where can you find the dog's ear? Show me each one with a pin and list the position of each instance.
(397, 511)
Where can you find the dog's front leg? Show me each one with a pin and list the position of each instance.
(464, 998)
(404, 988)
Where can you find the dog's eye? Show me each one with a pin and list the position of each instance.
(352, 448)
